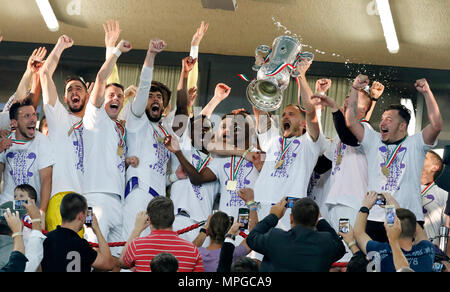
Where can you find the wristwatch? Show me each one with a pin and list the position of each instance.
(204, 231)
(364, 210)
(229, 235)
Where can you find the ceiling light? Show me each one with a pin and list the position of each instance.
(388, 26)
(48, 15)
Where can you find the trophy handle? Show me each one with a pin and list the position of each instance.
(262, 51)
(303, 57)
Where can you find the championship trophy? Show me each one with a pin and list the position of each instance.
(280, 63)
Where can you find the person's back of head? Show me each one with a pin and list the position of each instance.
(71, 205)
(218, 227)
(164, 262)
(305, 212)
(407, 221)
(160, 211)
(244, 264)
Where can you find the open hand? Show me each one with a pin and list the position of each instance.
(112, 32)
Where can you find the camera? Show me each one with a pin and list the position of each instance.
(243, 217)
(344, 225)
(390, 214)
(381, 200)
(290, 201)
(88, 221)
(18, 204)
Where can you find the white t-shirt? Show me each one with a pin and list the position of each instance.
(405, 171)
(245, 176)
(5, 122)
(292, 177)
(68, 149)
(22, 164)
(348, 179)
(198, 200)
(104, 170)
(433, 202)
(153, 156)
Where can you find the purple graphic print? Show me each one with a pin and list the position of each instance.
(429, 197)
(337, 167)
(162, 155)
(396, 168)
(288, 159)
(242, 182)
(197, 189)
(78, 147)
(19, 164)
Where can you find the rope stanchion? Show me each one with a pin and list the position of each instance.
(192, 227)
(339, 265)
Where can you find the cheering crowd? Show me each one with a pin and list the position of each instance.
(113, 173)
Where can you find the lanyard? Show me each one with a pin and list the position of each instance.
(202, 163)
(393, 154)
(428, 187)
(122, 134)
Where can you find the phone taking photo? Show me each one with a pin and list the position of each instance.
(88, 221)
(381, 200)
(243, 217)
(390, 214)
(344, 225)
(18, 204)
(290, 201)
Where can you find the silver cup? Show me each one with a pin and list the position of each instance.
(275, 67)
(443, 238)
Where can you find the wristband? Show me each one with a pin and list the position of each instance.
(364, 210)
(17, 234)
(35, 220)
(117, 52)
(351, 244)
(229, 235)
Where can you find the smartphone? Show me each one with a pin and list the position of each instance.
(243, 217)
(390, 214)
(344, 225)
(290, 201)
(2, 218)
(381, 200)
(438, 267)
(18, 204)
(88, 221)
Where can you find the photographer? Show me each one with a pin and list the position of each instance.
(311, 245)
(412, 239)
(65, 251)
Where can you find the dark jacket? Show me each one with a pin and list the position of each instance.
(300, 249)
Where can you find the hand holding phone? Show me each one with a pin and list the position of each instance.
(290, 201)
(88, 221)
(381, 200)
(390, 214)
(344, 225)
(243, 217)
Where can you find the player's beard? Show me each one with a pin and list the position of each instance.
(153, 119)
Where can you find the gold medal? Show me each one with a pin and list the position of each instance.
(231, 185)
(339, 159)
(279, 164)
(70, 131)
(386, 171)
(160, 139)
(120, 150)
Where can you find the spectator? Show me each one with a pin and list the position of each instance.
(244, 264)
(139, 252)
(164, 262)
(302, 248)
(393, 234)
(219, 224)
(358, 262)
(43, 127)
(17, 259)
(65, 251)
(419, 253)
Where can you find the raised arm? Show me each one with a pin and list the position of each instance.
(431, 131)
(351, 114)
(33, 65)
(45, 175)
(98, 93)
(112, 33)
(221, 92)
(49, 92)
(361, 220)
(376, 90)
(312, 123)
(140, 101)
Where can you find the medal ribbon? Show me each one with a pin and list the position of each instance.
(363, 120)
(284, 149)
(18, 142)
(393, 154)
(162, 130)
(122, 134)
(429, 187)
(339, 148)
(202, 164)
(233, 173)
(78, 125)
